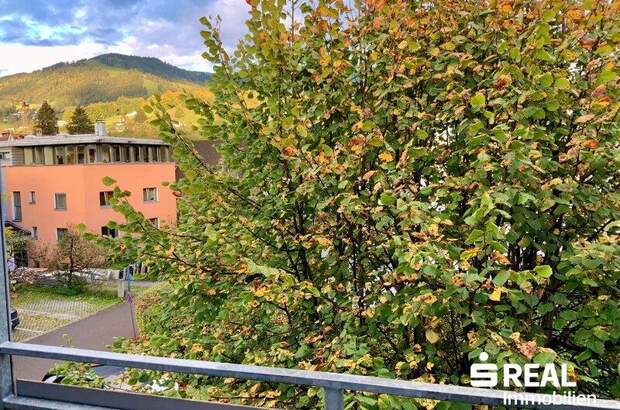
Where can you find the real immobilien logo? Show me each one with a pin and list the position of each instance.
(528, 375)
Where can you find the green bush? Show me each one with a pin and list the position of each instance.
(403, 186)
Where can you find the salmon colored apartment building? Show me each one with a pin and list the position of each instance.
(53, 182)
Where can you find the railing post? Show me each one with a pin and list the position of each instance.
(6, 371)
(334, 399)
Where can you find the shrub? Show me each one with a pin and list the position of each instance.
(403, 186)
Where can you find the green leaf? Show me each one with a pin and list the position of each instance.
(368, 126)
(544, 270)
(562, 84)
(545, 357)
(501, 278)
(107, 181)
(546, 80)
(421, 134)
(474, 236)
(478, 100)
(387, 199)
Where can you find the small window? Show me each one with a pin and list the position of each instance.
(109, 232)
(155, 154)
(59, 155)
(149, 194)
(81, 156)
(105, 153)
(28, 156)
(32, 197)
(163, 153)
(155, 222)
(136, 154)
(60, 232)
(17, 206)
(104, 198)
(39, 155)
(60, 201)
(116, 153)
(92, 155)
(71, 154)
(35, 233)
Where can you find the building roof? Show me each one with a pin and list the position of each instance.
(64, 139)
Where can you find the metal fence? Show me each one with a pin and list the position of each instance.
(334, 384)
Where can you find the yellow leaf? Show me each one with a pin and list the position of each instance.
(432, 336)
(497, 293)
(386, 156)
(402, 45)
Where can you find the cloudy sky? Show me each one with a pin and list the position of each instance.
(39, 33)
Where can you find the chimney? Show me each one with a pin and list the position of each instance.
(100, 129)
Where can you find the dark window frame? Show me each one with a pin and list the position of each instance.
(17, 206)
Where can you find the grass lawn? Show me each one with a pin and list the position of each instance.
(42, 309)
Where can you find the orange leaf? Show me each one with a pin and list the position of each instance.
(386, 156)
(528, 349)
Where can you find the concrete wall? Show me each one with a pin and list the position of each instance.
(82, 184)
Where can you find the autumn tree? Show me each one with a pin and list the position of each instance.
(45, 120)
(73, 257)
(80, 123)
(404, 185)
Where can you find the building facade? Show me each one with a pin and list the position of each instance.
(53, 182)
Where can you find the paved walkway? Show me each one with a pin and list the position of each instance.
(93, 332)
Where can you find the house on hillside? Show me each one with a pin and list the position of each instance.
(53, 182)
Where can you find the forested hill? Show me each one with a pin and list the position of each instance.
(148, 65)
(99, 79)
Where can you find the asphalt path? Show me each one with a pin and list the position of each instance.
(94, 332)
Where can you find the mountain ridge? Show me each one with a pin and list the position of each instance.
(149, 65)
(102, 78)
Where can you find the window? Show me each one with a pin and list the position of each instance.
(149, 194)
(81, 156)
(136, 154)
(116, 153)
(60, 232)
(59, 155)
(105, 153)
(32, 197)
(155, 154)
(28, 156)
(104, 198)
(127, 153)
(60, 201)
(155, 222)
(39, 155)
(70, 154)
(17, 206)
(92, 155)
(35, 233)
(163, 154)
(109, 232)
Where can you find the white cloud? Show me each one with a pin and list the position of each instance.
(18, 58)
(175, 40)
